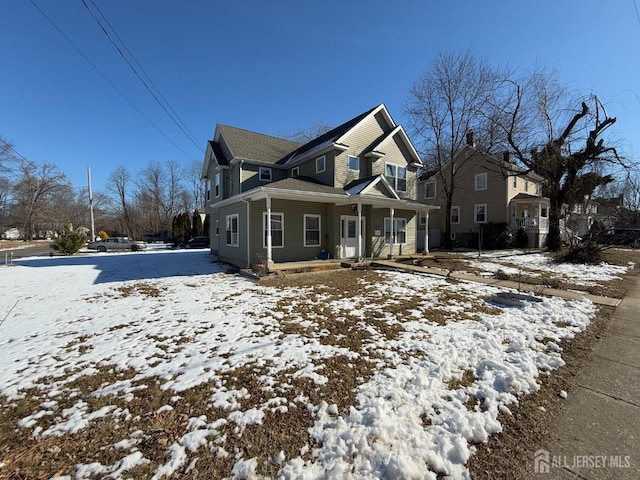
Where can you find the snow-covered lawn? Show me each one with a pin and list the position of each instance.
(539, 264)
(341, 375)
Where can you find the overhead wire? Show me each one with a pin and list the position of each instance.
(166, 108)
(95, 67)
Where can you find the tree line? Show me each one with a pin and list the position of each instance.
(39, 200)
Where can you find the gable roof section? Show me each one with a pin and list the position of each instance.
(362, 186)
(332, 136)
(377, 149)
(247, 145)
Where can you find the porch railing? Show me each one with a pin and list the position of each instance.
(531, 223)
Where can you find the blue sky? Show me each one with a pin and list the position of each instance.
(277, 67)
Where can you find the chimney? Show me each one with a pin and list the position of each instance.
(471, 138)
(506, 156)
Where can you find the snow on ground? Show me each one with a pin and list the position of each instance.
(178, 317)
(538, 264)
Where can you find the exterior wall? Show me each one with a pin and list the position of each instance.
(378, 246)
(234, 255)
(359, 140)
(495, 197)
(522, 181)
(251, 176)
(294, 249)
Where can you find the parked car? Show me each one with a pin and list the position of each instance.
(116, 244)
(196, 242)
(158, 238)
(620, 236)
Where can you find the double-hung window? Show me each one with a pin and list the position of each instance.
(277, 230)
(396, 176)
(399, 230)
(354, 163)
(216, 183)
(232, 230)
(455, 214)
(265, 174)
(480, 181)
(480, 213)
(312, 230)
(430, 189)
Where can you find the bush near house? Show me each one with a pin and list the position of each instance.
(522, 239)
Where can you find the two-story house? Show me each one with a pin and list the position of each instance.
(487, 189)
(350, 193)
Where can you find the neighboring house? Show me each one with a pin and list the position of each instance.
(577, 220)
(487, 189)
(349, 193)
(11, 234)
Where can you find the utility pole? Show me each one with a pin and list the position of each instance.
(93, 226)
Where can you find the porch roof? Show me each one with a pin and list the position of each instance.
(300, 190)
(525, 198)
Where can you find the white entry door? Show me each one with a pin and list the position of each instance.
(349, 236)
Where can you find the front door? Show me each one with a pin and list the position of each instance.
(349, 236)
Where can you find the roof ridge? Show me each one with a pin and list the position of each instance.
(224, 125)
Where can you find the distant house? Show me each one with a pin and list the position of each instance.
(11, 234)
(349, 193)
(487, 189)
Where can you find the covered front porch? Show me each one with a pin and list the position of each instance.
(531, 213)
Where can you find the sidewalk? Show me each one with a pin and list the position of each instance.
(597, 433)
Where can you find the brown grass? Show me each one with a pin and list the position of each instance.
(507, 455)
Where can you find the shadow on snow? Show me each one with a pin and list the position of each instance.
(125, 266)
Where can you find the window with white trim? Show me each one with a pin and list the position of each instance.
(232, 230)
(311, 230)
(515, 181)
(480, 181)
(455, 215)
(277, 230)
(422, 218)
(354, 163)
(321, 164)
(216, 183)
(480, 213)
(430, 189)
(295, 172)
(396, 176)
(399, 230)
(526, 185)
(265, 174)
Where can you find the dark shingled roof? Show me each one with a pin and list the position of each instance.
(331, 136)
(305, 184)
(256, 146)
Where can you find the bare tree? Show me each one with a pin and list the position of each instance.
(564, 146)
(454, 97)
(307, 134)
(118, 185)
(32, 195)
(194, 187)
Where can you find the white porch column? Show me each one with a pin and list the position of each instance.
(392, 239)
(426, 232)
(269, 249)
(359, 232)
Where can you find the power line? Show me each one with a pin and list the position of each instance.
(188, 132)
(635, 5)
(107, 79)
(172, 115)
